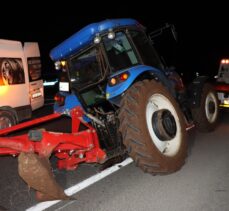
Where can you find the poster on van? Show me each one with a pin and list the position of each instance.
(11, 71)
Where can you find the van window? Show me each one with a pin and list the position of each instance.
(34, 67)
(11, 71)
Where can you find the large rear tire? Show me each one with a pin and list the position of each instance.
(207, 114)
(153, 128)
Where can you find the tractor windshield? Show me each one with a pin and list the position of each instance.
(120, 52)
(84, 69)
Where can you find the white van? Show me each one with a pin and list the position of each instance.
(21, 84)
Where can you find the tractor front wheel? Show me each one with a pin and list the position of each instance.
(153, 128)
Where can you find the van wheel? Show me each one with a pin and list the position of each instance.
(7, 119)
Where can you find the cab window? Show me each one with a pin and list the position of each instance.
(120, 52)
(146, 50)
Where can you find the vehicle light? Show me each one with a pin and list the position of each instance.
(124, 76)
(111, 34)
(59, 99)
(63, 63)
(60, 64)
(224, 106)
(97, 39)
(37, 94)
(57, 65)
(225, 61)
(113, 81)
(119, 78)
(226, 102)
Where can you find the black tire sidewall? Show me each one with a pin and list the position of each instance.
(199, 114)
(157, 88)
(167, 163)
(8, 115)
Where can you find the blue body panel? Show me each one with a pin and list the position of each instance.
(71, 101)
(86, 36)
(114, 91)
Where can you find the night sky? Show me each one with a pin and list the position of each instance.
(203, 33)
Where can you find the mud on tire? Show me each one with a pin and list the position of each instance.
(153, 128)
(207, 114)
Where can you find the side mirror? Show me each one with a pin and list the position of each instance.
(160, 31)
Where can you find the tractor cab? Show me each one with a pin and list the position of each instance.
(101, 65)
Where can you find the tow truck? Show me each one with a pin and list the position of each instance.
(222, 83)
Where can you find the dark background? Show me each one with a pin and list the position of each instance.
(202, 30)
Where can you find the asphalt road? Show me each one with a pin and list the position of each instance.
(202, 184)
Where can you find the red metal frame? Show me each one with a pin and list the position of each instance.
(70, 148)
(222, 87)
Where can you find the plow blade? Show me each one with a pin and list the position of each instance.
(36, 172)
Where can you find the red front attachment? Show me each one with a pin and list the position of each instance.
(80, 146)
(70, 148)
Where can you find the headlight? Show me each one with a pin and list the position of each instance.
(97, 39)
(111, 34)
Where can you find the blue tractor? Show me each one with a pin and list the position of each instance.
(137, 105)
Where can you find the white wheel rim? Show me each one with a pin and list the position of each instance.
(157, 102)
(211, 117)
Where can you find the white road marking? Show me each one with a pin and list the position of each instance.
(82, 185)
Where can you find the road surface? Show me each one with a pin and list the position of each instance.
(202, 184)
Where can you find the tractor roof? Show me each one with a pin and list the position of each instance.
(86, 35)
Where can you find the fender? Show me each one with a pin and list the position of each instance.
(112, 92)
(195, 90)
